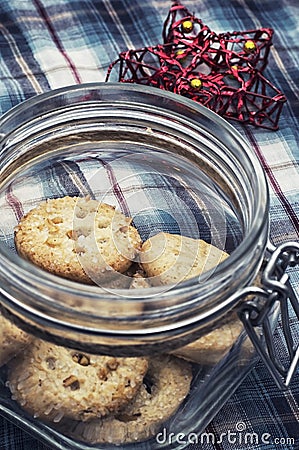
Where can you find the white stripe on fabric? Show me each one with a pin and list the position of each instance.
(20, 60)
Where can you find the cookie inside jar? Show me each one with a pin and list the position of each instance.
(98, 399)
(107, 399)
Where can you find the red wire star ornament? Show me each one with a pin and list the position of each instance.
(224, 72)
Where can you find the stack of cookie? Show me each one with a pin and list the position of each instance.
(105, 399)
(98, 399)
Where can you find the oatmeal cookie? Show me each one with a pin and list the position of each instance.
(78, 238)
(210, 348)
(172, 258)
(166, 385)
(52, 382)
(13, 340)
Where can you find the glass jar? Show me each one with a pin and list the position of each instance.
(175, 167)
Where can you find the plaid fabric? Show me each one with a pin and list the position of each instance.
(45, 44)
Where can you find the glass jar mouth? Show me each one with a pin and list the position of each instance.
(152, 118)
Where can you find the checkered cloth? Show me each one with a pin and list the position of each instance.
(46, 44)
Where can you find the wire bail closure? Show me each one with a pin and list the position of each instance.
(276, 295)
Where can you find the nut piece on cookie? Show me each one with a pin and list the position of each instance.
(171, 258)
(78, 238)
(52, 382)
(13, 340)
(138, 278)
(166, 385)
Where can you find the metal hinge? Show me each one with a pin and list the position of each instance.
(274, 294)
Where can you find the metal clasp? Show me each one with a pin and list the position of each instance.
(274, 296)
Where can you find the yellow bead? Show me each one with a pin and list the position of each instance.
(187, 26)
(231, 75)
(181, 55)
(249, 47)
(196, 83)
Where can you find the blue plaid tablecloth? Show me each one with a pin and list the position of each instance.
(46, 44)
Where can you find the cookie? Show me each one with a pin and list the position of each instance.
(210, 348)
(13, 340)
(166, 385)
(78, 238)
(52, 382)
(172, 258)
